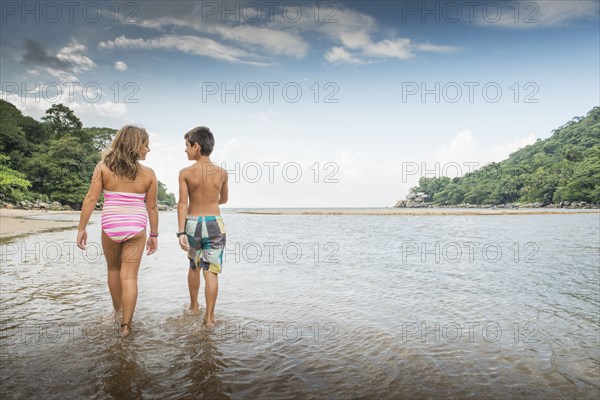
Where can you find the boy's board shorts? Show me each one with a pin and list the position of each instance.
(206, 236)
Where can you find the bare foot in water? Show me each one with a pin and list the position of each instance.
(117, 315)
(207, 322)
(195, 309)
(125, 330)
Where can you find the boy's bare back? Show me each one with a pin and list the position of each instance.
(206, 185)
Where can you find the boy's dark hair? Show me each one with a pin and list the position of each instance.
(204, 137)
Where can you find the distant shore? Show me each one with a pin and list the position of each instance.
(15, 223)
(418, 211)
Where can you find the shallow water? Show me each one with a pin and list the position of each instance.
(317, 307)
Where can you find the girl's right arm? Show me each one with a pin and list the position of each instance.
(88, 205)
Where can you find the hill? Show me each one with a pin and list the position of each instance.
(564, 167)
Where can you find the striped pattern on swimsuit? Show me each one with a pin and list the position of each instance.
(123, 215)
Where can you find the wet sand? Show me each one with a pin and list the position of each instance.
(18, 222)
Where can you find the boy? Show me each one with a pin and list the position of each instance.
(201, 231)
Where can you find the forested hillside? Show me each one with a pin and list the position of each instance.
(564, 167)
(51, 160)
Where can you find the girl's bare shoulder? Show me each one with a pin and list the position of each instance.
(148, 172)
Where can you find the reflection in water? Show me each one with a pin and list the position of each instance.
(192, 364)
(205, 366)
(404, 327)
(125, 376)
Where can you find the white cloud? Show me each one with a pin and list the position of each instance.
(465, 148)
(353, 34)
(62, 75)
(166, 158)
(358, 179)
(234, 149)
(393, 48)
(434, 48)
(29, 107)
(341, 55)
(187, 44)
(36, 105)
(354, 39)
(272, 41)
(72, 54)
(361, 176)
(365, 181)
(120, 66)
(66, 65)
(462, 155)
(262, 117)
(540, 14)
(106, 109)
(355, 31)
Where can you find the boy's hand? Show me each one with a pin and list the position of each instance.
(183, 243)
(151, 245)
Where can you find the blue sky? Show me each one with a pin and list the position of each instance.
(389, 91)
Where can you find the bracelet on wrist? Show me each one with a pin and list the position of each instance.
(153, 234)
(180, 233)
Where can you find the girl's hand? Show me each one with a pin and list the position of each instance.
(151, 245)
(82, 239)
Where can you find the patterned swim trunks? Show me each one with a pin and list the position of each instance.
(206, 236)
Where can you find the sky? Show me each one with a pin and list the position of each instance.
(329, 104)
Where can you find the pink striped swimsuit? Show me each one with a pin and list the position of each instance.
(123, 215)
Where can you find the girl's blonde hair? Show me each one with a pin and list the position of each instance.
(123, 155)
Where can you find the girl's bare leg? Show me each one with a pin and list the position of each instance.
(112, 253)
(131, 256)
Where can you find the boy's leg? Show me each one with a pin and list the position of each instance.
(211, 289)
(112, 253)
(194, 286)
(130, 265)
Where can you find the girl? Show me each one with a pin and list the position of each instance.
(130, 191)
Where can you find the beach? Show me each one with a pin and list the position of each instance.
(19, 222)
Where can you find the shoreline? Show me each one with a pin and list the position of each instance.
(419, 211)
(17, 223)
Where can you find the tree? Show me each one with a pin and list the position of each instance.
(12, 137)
(12, 183)
(60, 119)
(100, 137)
(69, 164)
(164, 197)
(565, 166)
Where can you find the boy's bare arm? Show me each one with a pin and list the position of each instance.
(224, 195)
(182, 204)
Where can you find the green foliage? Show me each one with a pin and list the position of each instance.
(12, 183)
(51, 160)
(70, 163)
(164, 197)
(100, 137)
(564, 167)
(12, 137)
(60, 119)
